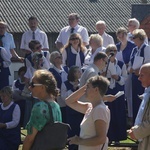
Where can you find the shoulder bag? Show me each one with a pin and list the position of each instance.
(53, 136)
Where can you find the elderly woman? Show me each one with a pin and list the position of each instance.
(44, 87)
(117, 75)
(94, 126)
(60, 74)
(139, 56)
(74, 52)
(9, 121)
(96, 43)
(73, 118)
(124, 49)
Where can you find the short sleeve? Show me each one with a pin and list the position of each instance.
(101, 113)
(39, 117)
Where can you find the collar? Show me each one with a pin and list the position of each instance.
(74, 51)
(147, 90)
(141, 47)
(74, 27)
(34, 31)
(58, 70)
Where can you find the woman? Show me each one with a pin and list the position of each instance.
(124, 49)
(73, 53)
(117, 75)
(96, 43)
(44, 87)
(73, 118)
(139, 56)
(60, 74)
(9, 121)
(94, 126)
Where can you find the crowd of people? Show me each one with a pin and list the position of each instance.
(80, 80)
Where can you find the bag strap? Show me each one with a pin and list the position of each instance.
(50, 112)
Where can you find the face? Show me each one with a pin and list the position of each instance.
(58, 59)
(100, 28)
(90, 91)
(2, 29)
(37, 48)
(33, 24)
(4, 98)
(144, 77)
(77, 73)
(93, 44)
(121, 36)
(136, 40)
(74, 41)
(73, 21)
(131, 27)
(35, 88)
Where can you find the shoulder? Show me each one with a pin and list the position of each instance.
(41, 32)
(64, 29)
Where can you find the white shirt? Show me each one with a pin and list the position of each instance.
(6, 57)
(39, 35)
(107, 39)
(15, 116)
(100, 112)
(89, 58)
(65, 34)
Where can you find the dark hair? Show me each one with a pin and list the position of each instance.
(32, 44)
(71, 73)
(75, 15)
(32, 18)
(101, 82)
(23, 68)
(46, 78)
(100, 55)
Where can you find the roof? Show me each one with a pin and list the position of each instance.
(52, 14)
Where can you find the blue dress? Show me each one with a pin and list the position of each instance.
(73, 117)
(9, 138)
(117, 128)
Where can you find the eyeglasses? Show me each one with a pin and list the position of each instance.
(134, 37)
(32, 84)
(38, 47)
(76, 38)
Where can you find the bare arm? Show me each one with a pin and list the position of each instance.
(59, 45)
(98, 139)
(72, 100)
(15, 55)
(29, 139)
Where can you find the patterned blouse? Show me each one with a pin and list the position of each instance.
(40, 115)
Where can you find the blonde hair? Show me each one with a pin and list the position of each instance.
(110, 47)
(140, 33)
(97, 38)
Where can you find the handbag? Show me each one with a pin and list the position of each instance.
(53, 136)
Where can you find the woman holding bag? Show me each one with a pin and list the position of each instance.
(44, 87)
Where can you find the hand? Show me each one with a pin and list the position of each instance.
(109, 98)
(74, 140)
(2, 125)
(21, 59)
(131, 134)
(116, 77)
(136, 72)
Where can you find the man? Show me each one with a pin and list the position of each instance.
(4, 67)
(100, 62)
(33, 34)
(7, 41)
(73, 27)
(141, 130)
(101, 27)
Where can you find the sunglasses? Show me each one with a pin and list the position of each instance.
(113, 51)
(38, 47)
(134, 37)
(71, 19)
(32, 84)
(74, 39)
